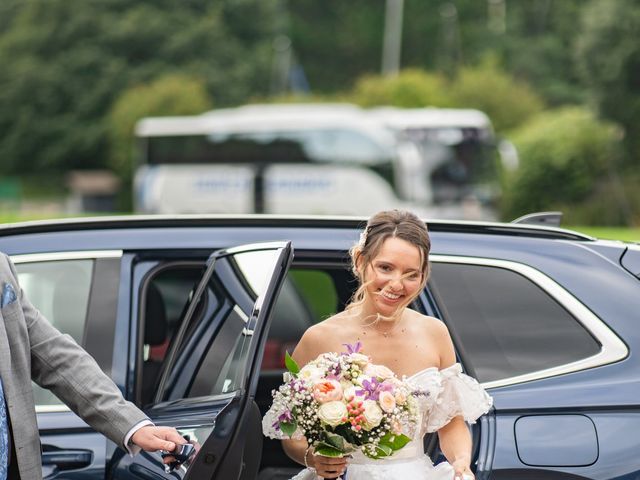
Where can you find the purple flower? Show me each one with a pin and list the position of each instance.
(371, 389)
(355, 348)
(420, 393)
(284, 417)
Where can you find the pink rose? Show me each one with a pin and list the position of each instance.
(327, 391)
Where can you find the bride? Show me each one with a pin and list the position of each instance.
(391, 264)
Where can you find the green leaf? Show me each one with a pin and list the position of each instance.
(334, 440)
(338, 442)
(395, 442)
(291, 364)
(327, 451)
(381, 451)
(288, 428)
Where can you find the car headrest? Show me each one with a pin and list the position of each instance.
(156, 325)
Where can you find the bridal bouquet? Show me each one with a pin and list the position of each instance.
(341, 402)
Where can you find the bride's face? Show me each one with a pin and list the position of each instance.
(394, 276)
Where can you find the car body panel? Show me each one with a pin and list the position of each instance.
(596, 274)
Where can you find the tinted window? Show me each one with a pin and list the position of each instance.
(60, 290)
(165, 298)
(507, 325)
(224, 331)
(303, 146)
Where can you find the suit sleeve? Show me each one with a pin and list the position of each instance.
(59, 364)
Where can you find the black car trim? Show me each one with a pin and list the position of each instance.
(102, 310)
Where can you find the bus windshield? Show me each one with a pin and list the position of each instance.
(458, 163)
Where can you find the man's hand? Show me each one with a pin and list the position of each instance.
(152, 438)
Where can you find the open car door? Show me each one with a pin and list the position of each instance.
(210, 375)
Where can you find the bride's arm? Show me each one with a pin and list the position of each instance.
(302, 354)
(296, 450)
(455, 442)
(455, 438)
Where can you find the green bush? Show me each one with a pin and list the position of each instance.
(508, 102)
(168, 95)
(567, 162)
(411, 88)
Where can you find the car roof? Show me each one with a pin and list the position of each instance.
(276, 221)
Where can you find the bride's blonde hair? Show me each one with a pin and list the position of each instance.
(381, 226)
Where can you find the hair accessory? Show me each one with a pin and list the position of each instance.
(363, 237)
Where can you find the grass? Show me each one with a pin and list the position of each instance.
(610, 233)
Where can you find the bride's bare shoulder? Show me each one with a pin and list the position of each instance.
(432, 327)
(320, 338)
(437, 334)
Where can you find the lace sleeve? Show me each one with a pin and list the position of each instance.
(459, 395)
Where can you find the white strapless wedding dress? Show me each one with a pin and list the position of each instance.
(451, 393)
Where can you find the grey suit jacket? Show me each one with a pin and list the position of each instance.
(31, 348)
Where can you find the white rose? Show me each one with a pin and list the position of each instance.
(350, 393)
(332, 413)
(311, 373)
(359, 359)
(379, 371)
(387, 401)
(372, 414)
(401, 398)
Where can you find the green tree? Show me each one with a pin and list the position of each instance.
(609, 56)
(64, 62)
(169, 95)
(567, 162)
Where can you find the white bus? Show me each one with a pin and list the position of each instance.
(459, 159)
(312, 159)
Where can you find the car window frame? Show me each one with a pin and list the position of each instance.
(165, 379)
(612, 350)
(104, 356)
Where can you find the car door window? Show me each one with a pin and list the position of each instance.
(506, 324)
(212, 353)
(60, 290)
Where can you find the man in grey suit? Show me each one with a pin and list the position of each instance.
(32, 349)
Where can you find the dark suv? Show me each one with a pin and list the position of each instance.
(191, 317)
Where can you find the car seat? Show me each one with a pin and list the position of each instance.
(156, 330)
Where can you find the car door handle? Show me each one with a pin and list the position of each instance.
(145, 473)
(67, 459)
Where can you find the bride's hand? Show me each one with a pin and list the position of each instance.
(328, 467)
(462, 471)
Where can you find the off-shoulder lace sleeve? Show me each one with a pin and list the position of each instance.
(458, 394)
